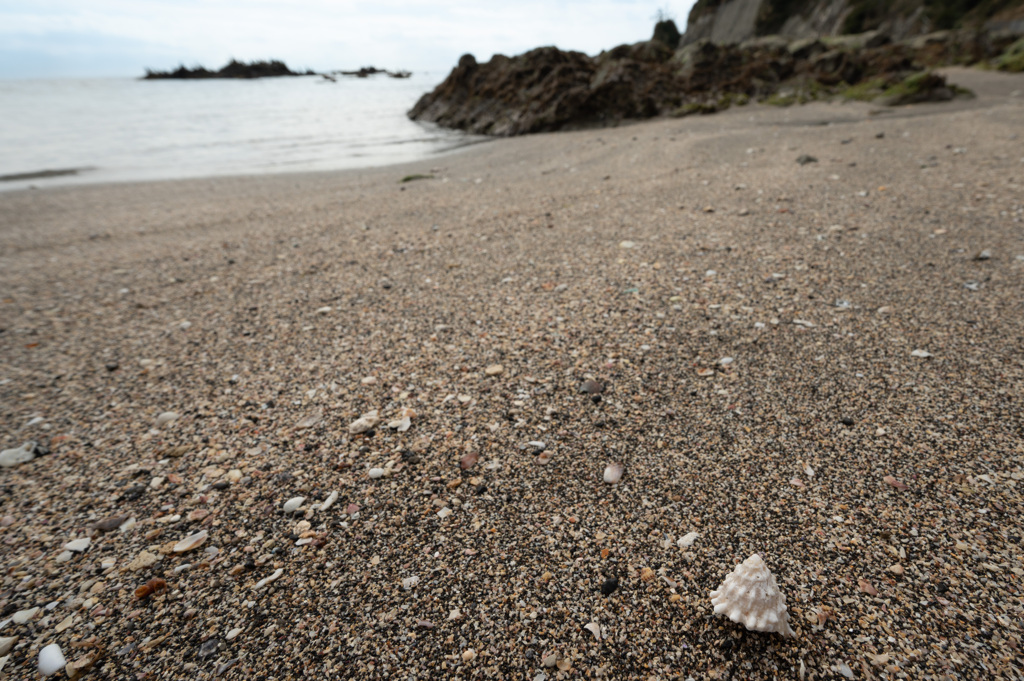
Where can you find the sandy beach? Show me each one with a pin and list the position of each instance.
(820, 363)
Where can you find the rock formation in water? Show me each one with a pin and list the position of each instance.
(233, 69)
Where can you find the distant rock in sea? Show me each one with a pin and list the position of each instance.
(233, 69)
(368, 71)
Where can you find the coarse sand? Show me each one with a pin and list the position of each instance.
(819, 363)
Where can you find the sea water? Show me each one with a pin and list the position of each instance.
(129, 129)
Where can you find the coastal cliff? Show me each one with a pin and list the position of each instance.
(734, 21)
(725, 58)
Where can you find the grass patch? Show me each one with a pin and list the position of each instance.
(865, 91)
(417, 176)
(782, 99)
(1013, 59)
(691, 108)
(926, 86)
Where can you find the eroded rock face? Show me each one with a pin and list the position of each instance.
(547, 89)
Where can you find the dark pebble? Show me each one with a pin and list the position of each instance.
(846, 421)
(134, 492)
(609, 586)
(111, 523)
(221, 485)
(209, 647)
(113, 366)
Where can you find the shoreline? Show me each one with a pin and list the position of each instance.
(815, 362)
(984, 77)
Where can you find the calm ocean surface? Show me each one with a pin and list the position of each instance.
(126, 129)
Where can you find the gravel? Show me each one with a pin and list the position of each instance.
(514, 256)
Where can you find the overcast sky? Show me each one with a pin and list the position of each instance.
(81, 38)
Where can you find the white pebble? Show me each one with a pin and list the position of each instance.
(613, 473)
(51, 660)
(410, 582)
(166, 418)
(329, 501)
(6, 643)
(190, 542)
(23, 616)
(444, 513)
(64, 557)
(376, 473)
(364, 423)
(233, 633)
(78, 545)
(688, 539)
(267, 580)
(293, 504)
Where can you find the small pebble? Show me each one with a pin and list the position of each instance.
(166, 418)
(613, 473)
(293, 504)
(51, 660)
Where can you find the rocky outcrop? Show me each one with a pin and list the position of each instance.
(233, 69)
(547, 89)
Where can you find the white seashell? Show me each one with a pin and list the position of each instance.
(6, 643)
(293, 504)
(271, 578)
(51, 660)
(190, 542)
(401, 424)
(329, 501)
(18, 455)
(78, 545)
(410, 582)
(750, 596)
(688, 539)
(595, 629)
(613, 473)
(923, 354)
(364, 422)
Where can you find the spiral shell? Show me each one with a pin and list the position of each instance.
(647, 574)
(750, 596)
